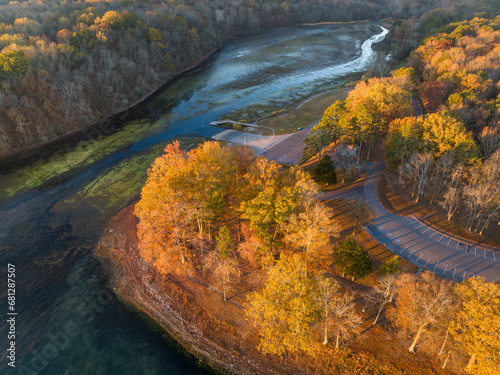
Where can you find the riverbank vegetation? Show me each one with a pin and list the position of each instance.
(65, 65)
(447, 156)
(252, 231)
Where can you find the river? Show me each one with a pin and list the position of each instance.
(67, 321)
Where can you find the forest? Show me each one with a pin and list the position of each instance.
(65, 65)
(450, 156)
(215, 212)
(218, 214)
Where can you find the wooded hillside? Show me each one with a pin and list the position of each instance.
(64, 65)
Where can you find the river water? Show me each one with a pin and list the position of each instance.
(67, 321)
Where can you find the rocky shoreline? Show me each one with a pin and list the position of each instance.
(173, 307)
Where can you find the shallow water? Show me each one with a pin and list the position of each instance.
(67, 321)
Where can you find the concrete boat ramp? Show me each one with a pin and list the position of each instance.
(286, 149)
(258, 143)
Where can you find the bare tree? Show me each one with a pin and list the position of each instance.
(383, 292)
(345, 319)
(482, 194)
(225, 273)
(451, 201)
(327, 295)
(416, 172)
(358, 211)
(440, 175)
(490, 140)
(346, 160)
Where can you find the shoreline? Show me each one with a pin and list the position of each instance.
(109, 124)
(189, 324)
(104, 127)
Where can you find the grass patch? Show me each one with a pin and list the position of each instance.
(306, 113)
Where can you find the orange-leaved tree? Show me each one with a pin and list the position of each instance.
(183, 193)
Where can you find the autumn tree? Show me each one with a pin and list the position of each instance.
(285, 308)
(392, 266)
(352, 259)
(311, 228)
(271, 197)
(422, 304)
(477, 324)
(182, 192)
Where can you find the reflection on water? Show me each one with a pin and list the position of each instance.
(68, 322)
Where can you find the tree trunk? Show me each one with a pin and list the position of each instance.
(446, 360)
(378, 314)
(359, 151)
(325, 341)
(337, 343)
(411, 349)
(444, 343)
(471, 363)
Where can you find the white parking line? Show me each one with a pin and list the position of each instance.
(441, 238)
(454, 273)
(448, 242)
(412, 253)
(436, 265)
(458, 243)
(426, 230)
(418, 258)
(445, 269)
(464, 276)
(475, 250)
(421, 225)
(427, 262)
(433, 234)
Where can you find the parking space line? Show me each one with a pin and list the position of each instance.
(436, 265)
(448, 242)
(433, 234)
(441, 238)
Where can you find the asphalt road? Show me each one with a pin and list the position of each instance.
(426, 247)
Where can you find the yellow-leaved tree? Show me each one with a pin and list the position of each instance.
(285, 309)
(477, 325)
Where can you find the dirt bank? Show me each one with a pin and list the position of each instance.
(217, 333)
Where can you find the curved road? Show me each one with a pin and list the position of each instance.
(420, 244)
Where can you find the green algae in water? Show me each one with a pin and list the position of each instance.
(83, 154)
(117, 185)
